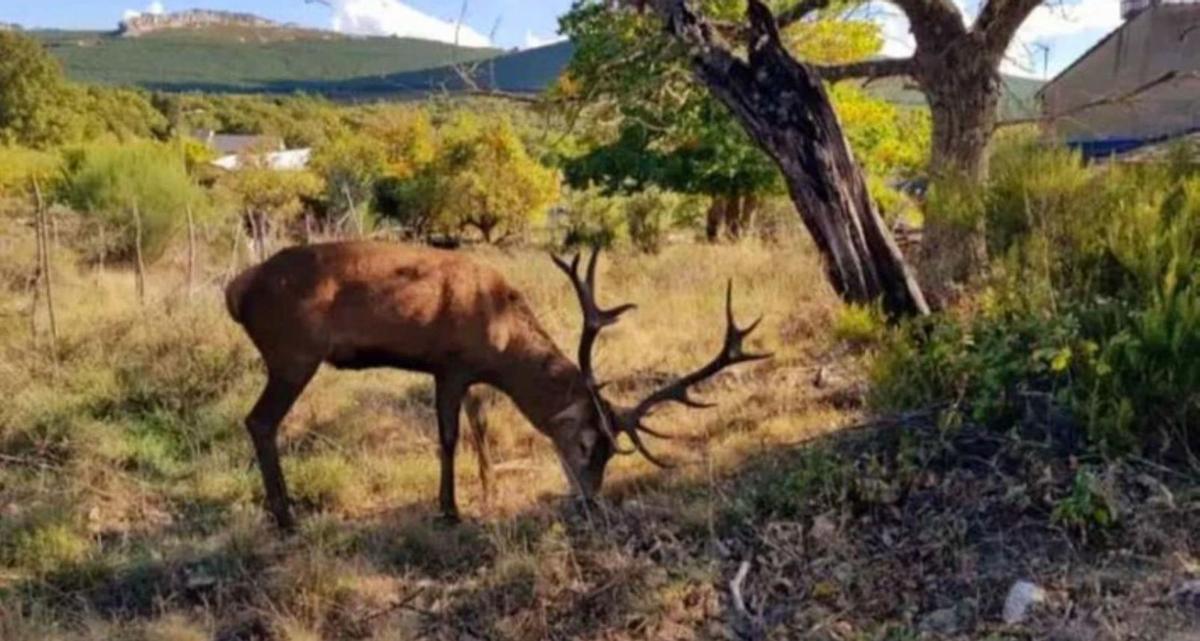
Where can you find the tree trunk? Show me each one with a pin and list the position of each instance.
(964, 90)
(785, 109)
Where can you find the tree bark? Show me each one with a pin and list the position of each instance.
(785, 109)
(963, 87)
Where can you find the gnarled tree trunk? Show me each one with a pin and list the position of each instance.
(784, 107)
(963, 88)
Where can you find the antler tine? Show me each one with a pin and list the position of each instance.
(594, 318)
(732, 353)
(641, 447)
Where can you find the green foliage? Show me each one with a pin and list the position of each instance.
(350, 165)
(122, 187)
(1087, 510)
(589, 218)
(50, 547)
(33, 94)
(1094, 304)
(271, 196)
(860, 325)
(244, 61)
(20, 167)
(671, 133)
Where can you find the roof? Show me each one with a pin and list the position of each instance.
(238, 143)
(1164, 5)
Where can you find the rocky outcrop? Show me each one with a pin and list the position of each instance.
(149, 23)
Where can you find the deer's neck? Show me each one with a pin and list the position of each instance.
(541, 381)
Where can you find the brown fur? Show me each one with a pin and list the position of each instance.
(368, 304)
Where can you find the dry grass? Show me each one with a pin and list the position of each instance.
(131, 507)
(129, 502)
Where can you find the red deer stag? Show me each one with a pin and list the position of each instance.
(364, 304)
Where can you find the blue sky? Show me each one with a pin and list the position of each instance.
(1053, 37)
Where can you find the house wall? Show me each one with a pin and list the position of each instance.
(1154, 43)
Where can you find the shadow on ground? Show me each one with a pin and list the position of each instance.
(897, 530)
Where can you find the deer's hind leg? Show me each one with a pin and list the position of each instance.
(283, 388)
(476, 406)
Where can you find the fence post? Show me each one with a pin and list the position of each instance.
(191, 266)
(137, 247)
(43, 226)
(358, 221)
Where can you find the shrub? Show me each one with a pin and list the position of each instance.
(587, 217)
(48, 548)
(1094, 305)
(124, 187)
(860, 325)
(325, 481)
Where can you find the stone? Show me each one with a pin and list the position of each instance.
(944, 621)
(1020, 601)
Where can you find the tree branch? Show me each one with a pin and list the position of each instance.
(869, 69)
(999, 20)
(799, 11)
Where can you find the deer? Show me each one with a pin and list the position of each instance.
(360, 305)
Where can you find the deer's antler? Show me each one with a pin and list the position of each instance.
(594, 320)
(732, 353)
(632, 421)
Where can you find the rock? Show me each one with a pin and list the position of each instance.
(1187, 595)
(1021, 598)
(945, 621)
(824, 529)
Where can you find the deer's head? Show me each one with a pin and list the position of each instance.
(586, 434)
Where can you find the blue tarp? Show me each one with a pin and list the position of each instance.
(1093, 149)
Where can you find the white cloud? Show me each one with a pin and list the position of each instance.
(1049, 25)
(533, 41)
(394, 18)
(155, 8)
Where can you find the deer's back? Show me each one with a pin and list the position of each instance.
(367, 304)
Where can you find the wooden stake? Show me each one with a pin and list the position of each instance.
(137, 246)
(358, 222)
(235, 248)
(44, 254)
(191, 266)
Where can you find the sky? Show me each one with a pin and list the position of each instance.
(1057, 33)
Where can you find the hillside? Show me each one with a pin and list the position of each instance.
(240, 58)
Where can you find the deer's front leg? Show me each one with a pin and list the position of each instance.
(449, 394)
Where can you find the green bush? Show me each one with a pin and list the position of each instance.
(122, 187)
(587, 217)
(1094, 305)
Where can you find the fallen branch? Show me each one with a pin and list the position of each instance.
(735, 588)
